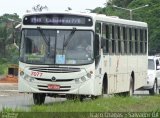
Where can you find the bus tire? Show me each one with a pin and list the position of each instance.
(38, 98)
(154, 90)
(131, 87)
(70, 97)
(105, 85)
(102, 90)
(93, 97)
(76, 97)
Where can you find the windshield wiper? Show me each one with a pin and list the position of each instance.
(69, 38)
(65, 43)
(43, 36)
(45, 39)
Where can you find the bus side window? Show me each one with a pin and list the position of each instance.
(130, 41)
(113, 40)
(119, 38)
(141, 40)
(98, 28)
(105, 37)
(124, 40)
(145, 41)
(136, 41)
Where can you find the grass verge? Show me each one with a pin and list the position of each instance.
(110, 104)
(136, 106)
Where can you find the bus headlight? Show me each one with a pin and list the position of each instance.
(28, 78)
(83, 78)
(89, 75)
(77, 80)
(80, 80)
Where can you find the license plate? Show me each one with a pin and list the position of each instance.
(53, 87)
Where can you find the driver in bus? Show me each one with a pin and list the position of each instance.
(84, 45)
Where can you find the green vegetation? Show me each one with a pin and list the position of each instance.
(7, 60)
(109, 104)
(79, 109)
(8, 52)
(3, 67)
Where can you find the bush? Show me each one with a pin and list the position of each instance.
(3, 66)
(3, 60)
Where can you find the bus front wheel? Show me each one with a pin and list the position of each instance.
(38, 98)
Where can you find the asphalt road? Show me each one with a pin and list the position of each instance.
(10, 98)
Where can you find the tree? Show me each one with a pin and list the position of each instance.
(39, 8)
(121, 3)
(3, 41)
(7, 23)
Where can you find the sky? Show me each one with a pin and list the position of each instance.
(20, 6)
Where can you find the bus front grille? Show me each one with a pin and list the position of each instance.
(57, 80)
(55, 69)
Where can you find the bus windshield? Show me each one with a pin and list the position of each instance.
(41, 46)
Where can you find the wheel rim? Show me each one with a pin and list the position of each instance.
(155, 88)
(131, 87)
(131, 90)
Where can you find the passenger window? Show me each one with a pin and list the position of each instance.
(113, 40)
(105, 37)
(98, 28)
(130, 41)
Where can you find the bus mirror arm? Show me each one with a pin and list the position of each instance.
(15, 44)
(16, 28)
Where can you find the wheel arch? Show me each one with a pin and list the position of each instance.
(105, 83)
(132, 78)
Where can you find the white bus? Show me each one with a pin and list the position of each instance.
(54, 62)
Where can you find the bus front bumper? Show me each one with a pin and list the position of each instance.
(72, 87)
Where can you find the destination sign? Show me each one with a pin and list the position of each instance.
(57, 19)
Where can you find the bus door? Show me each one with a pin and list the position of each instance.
(98, 65)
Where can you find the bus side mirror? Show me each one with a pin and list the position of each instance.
(17, 35)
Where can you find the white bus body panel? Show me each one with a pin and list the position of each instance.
(119, 69)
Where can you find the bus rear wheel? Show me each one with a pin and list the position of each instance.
(131, 87)
(154, 90)
(38, 98)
